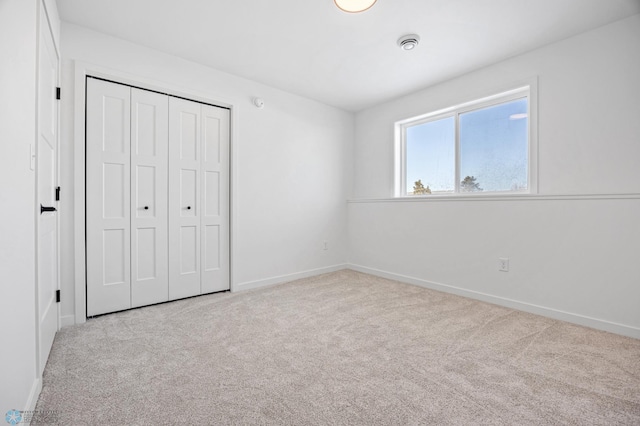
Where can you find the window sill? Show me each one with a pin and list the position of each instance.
(496, 197)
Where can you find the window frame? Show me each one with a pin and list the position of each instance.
(528, 91)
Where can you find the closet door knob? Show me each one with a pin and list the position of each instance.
(146, 207)
(188, 207)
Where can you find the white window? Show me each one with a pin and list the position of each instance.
(481, 147)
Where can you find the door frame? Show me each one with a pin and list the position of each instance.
(81, 71)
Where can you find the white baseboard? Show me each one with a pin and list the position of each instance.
(286, 278)
(67, 320)
(36, 388)
(596, 323)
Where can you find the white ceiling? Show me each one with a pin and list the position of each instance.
(311, 48)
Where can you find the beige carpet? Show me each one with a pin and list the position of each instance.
(341, 348)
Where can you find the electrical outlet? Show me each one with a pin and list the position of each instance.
(503, 264)
(326, 246)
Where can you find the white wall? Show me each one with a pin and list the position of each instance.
(571, 257)
(292, 163)
(18, 39)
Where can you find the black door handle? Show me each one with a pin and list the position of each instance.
(146, 207)
(46, 209)
(188, 207)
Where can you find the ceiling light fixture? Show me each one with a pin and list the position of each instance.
(354, 6)
(409, 41)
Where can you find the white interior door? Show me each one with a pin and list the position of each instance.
(215, 199)
(184, 198)
(108, 205)
(47, 159)
(149, 163)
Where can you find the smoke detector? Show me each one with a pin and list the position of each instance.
(409, 41)
(258, 102)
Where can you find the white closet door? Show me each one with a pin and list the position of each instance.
(184, 198)
(108, 197)
(215, 199)
(149, 162)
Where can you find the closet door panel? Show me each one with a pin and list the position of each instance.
(149, 183)
(113, 182)
(215, 199)
(147, 256)
(108, 215)
(188, 192)
(211, 193)
(188, 250)
(211, 255)
(189, 135)
(184, 200)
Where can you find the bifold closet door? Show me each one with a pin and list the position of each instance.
(198, 198)
(127, 161)
(149, 186)
(157, 185)
(108, 183)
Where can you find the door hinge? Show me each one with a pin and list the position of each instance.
(57, 93)
(58, 193)
(57, 296)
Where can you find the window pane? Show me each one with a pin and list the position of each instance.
(494, 147)
(431, 155)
